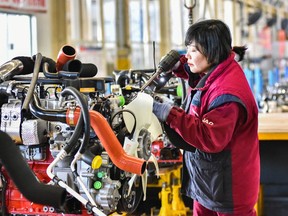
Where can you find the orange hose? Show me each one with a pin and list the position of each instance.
(65, 54)
(110, 142)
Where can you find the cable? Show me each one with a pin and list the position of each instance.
(78, 155)
(74, 171)
(75, 135)
(84, 111)
(134, 126)
(60, 156)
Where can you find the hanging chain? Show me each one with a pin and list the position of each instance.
(190, 8)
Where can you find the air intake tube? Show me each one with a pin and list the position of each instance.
(25, 180)
(110, 142)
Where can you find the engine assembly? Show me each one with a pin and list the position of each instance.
(68, 147)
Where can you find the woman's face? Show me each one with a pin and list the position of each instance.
(196, 60)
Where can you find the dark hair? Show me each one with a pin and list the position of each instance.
(213, 39)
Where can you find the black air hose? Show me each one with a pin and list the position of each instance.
(84, 112)
(3, 194)
(25, 180)
(56, 115)
(48, 115)
(75, 136)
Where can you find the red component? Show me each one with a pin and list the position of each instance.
(166, 154)
(16, 203)
(156, 148)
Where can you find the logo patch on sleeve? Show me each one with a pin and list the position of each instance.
(204, 120)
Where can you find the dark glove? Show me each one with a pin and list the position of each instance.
(161, 110)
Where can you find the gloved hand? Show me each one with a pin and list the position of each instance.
(161, 110)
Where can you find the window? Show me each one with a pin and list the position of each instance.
(136, 21)
(17, 36)
(109, 20)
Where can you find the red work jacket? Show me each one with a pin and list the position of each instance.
(221, 122)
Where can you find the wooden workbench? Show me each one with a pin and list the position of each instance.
(273, 139)
(273, 126)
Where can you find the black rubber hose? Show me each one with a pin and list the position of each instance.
(56, 115)
(75, 136)
(48, 115)
(84, 112)
(3, 194)
(24, 179)
(88, 157)
(47, 73)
